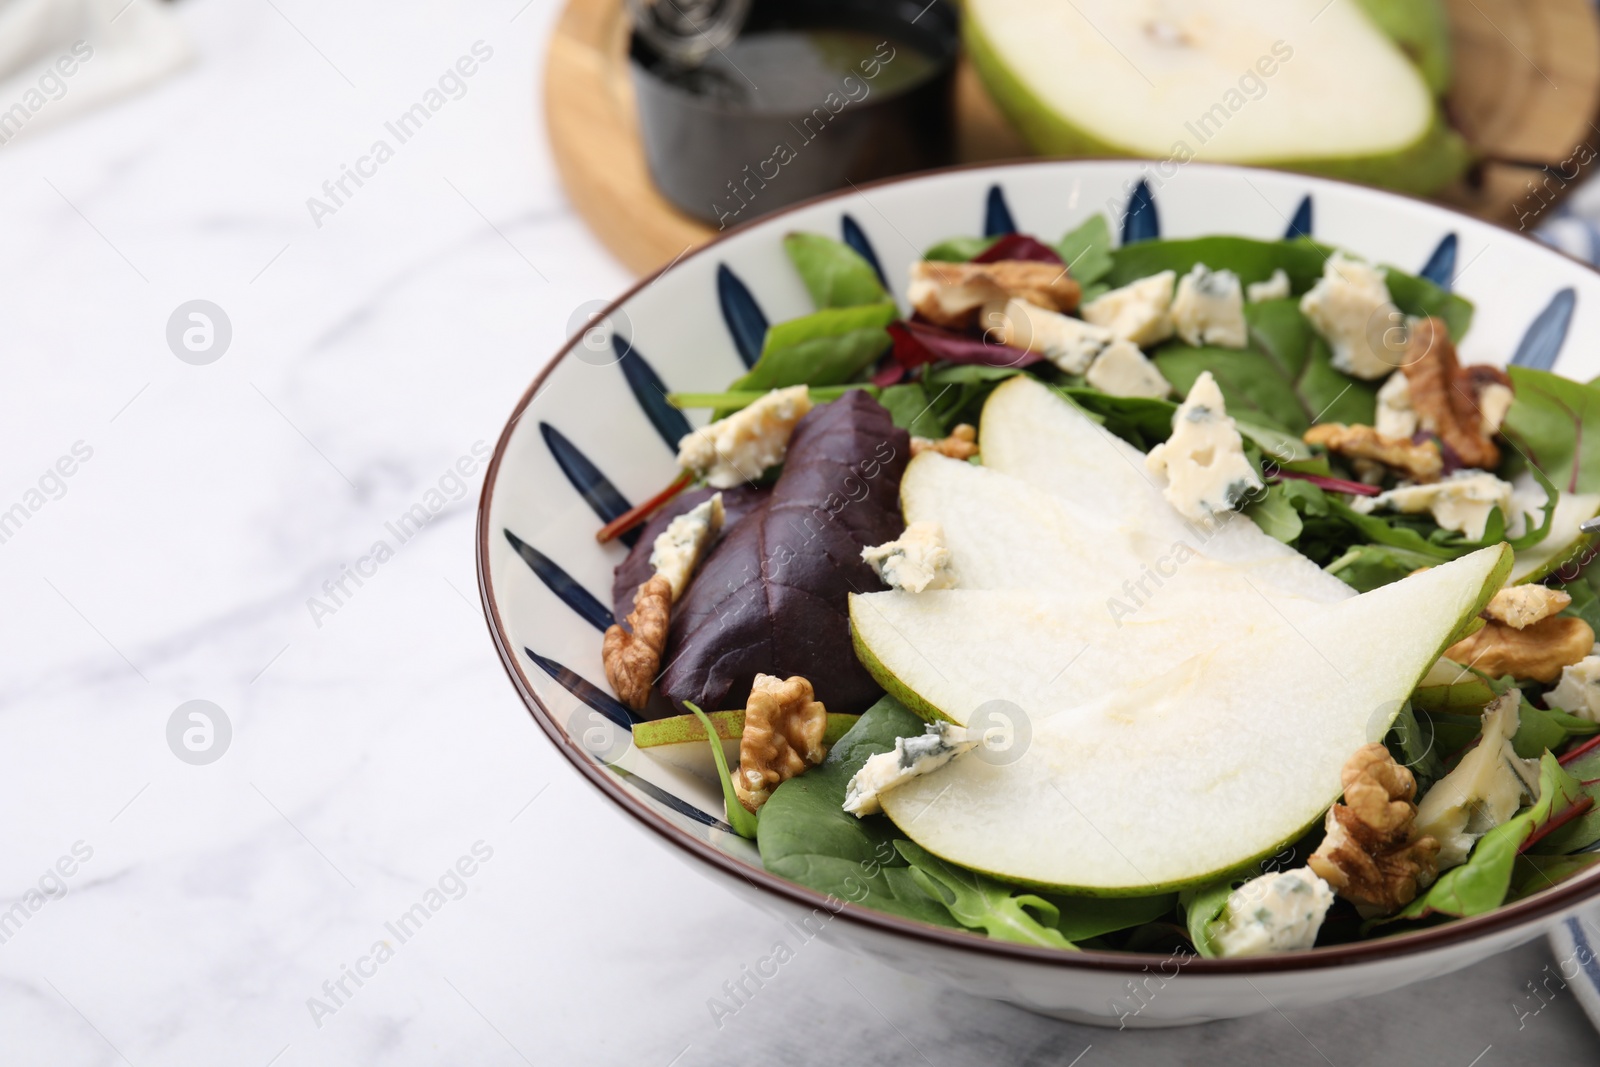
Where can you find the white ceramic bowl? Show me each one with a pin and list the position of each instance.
(593, 434)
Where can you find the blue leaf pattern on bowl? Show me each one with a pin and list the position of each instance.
(747, 323)
(856, 238)
(682, 807)
(1542, 343)
(651, 393)
(1441, 266)
(1141, 222)
(586, 478)
(1300, 225)
(997, 220)
(562, 584)
(586, 691)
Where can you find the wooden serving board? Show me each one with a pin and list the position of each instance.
(1527, 89)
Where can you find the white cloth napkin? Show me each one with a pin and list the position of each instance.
(59, 58)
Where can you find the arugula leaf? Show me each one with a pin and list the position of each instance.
(743, 823)
(1276, 514)
(806, 836)
(1087, 253)
(1540, 730)
(828, 347)
(820, 394)
(834, 273)
(981, 903)
(1555, 422)
(1286, 378)
(1481, 883)
(910, 409)
(960, 249)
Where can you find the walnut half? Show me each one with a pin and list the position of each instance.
(1446, 401)
(961, 444)
(1368, 855)
(953, 294)
(1536, 651)
(1419, 462)
(632, 659)
(783, 730)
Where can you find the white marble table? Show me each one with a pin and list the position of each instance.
(210, 909)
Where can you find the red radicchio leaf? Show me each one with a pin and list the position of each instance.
(1018, 246)
(1337, 485)
(916, 343)
(773, 596)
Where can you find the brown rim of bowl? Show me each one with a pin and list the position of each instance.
(1542, 905)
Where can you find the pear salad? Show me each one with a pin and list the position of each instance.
(1184, 596)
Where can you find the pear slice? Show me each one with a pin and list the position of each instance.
(1448, 686)
(1033, 434)
(1149, 770)
(1222, 81)
(680, 741)
(1564, 541)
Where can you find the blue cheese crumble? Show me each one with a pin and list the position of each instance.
(1578, 691)
(914, 561)
(1209, 308)
(1277, 912)
(1350, 307)
(1485, 789)
(739, 448)
(1140, 312)
(1462, 502)
(910, 758)
(1071, 344)
(1204, 462)
(1123, 370)
(678, 549)
(1274, 288)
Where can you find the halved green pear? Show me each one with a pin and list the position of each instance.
(1219, 80)
(1147, 769)
(680, 741)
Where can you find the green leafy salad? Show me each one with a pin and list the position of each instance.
(1186, 596)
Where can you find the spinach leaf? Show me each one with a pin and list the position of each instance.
(1252, 261)
(828, 347)
(806, 836)
(1086, 917)
(1203, 906)
(1585, 602)
(1418, 297)
(743, 823)
(772, 596)
(960, 249)
(1555, 422)
(1145, 422)
(834, 273)
(978, 902)
(1412, 743)
(1286, 378)
(1087, 253)
(1481, 883)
